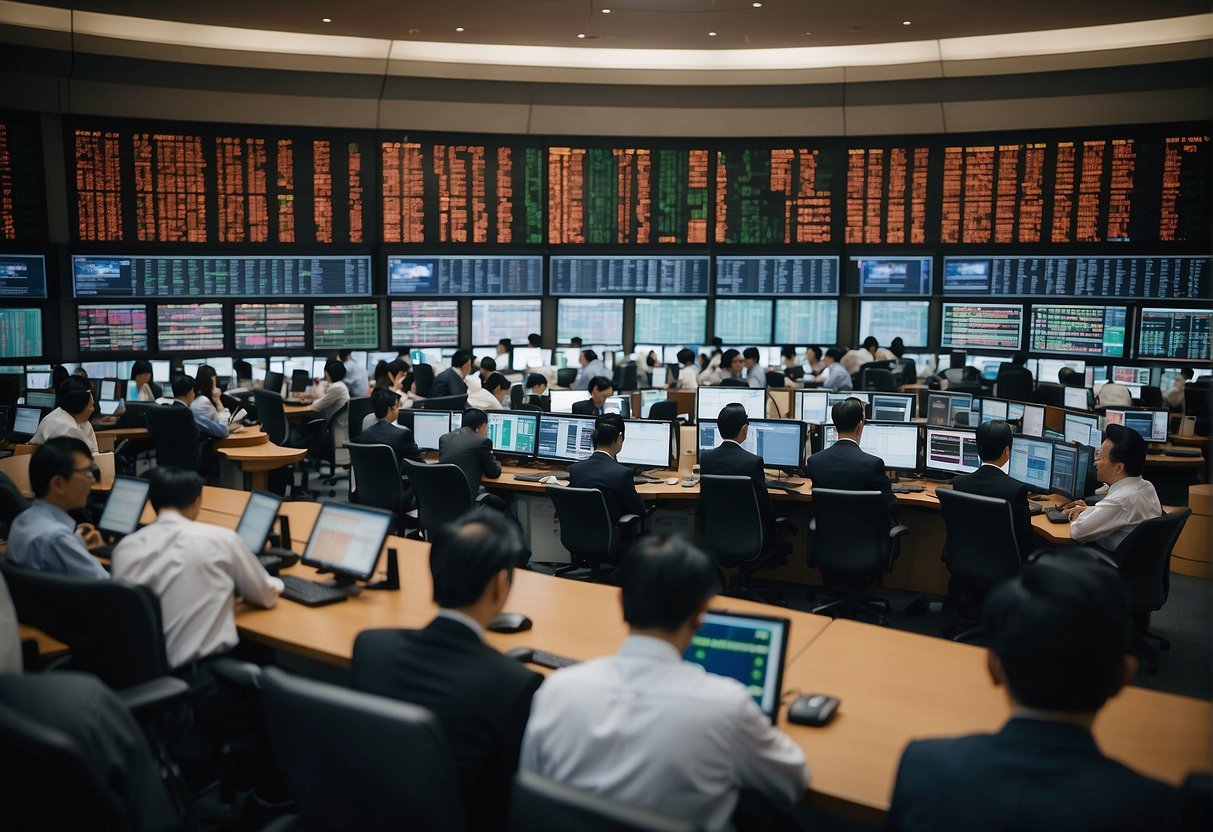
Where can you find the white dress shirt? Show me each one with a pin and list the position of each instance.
(1108, 522)
(645, 727)
(1114, 395)
(1174, 395)
(688, 378)
(195, 569)
(61, 423)
(356, 379)
(852, 360)
(483, 399)
(331, 401)
(204, 405)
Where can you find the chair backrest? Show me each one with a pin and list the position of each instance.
(972, 387)
(851, 533)
(665, 410)
(565, 376)
(12, 502)
(423, 377)
(541, 805)
(1050, 394)
(981, 548)
(113, 629)
(775, 379)
(878, 379)
(1151, 397)
(586, 529)
(377, 477)
(731, 527)
(176, 436)
(516, 395)
(1144, 558)
(1013, 382)
(954, 374)
(338, 436)
(360, 408)
(272, 414)
(442, 491)
(459, 402)
(353, 760)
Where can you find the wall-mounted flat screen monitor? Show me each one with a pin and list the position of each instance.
(112, 328)
(903, 276)
(995, 326)
(593, 321)
(806, 321)
(353, 326)
(1178, 334)
(885, 320)
(670, 320)
(1081, 330)
(500, 318)
(743, 320)
(465, 275)
(22, 276)
(269, 326)
(190, 328)
(428, 323)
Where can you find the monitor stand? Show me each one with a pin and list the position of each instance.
(350, 585)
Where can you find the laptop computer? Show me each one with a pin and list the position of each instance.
(123, 508)
(25, 423)
(749, 648)
(254, 529)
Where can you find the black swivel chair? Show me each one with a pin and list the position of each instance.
(459, 402)
(1013, 382)
(271, 411)
(877, 379)
(665, 410)
(587, 532)
(443, 494)
(1151, 397)
(376, 482)
(565, 376)
(357, 761)
(852, 547)
(423, 378)
(176, 437)
(301, 380)
(732, 528)
(326, 441)
(981, 550)
(517, 394)
(776, 379)
(1053, 395)
(541, 805)
(360, 408)
(1144, 558)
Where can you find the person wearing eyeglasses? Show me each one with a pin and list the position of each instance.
(45, 536)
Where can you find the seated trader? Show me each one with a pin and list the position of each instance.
(1113, 395)
(600, 388)
(992, 480)
(450, 382)
(487, 366)
(491, 394)
(1174, 395)
(536, 392)
(44, 536)
(386, 406)
(481, 697)
(471, 449)
(184, 391)
(833, 376)
(755, 372)
(591, 368)
(207, 399)
(688, 371)
(600, 470)
(1043, 770)
(355, 378)
(141, 374)
(1130, 499)
(730, 458)
(844, 465)
(336, 395)
(647, 728)
(71, 417)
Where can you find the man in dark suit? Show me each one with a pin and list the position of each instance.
(1058, 641)
(844, 465)
(386, 405)
(482, 698)
(471, 449)
(600, 388)
(536, 392)
(450, 382)
(991, 480)
(600, 470)
(730, 458)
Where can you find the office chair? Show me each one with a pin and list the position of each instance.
(732, 528)
(11, 501)
(541, 805)
(776, 379)
(423, 379)
(459, 402)
(1050, 394)
(327, 439)
(1144, 558)
(877, 379)
(176, 437)
(665, 410)
(517, 393)
(973, 388)
(360, 408)
(733, 382)
(357, 761)
(1013, 382)
(271, 412)
(1152, 397)
(565, 376)
(526, 407)
(587, 532)
(625, 377)
(377, 482)
(852, 547)
(301, 380)
(981, 551)
(443, 493)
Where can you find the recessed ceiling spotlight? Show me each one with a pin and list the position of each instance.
(326, 20)
(905, 23)
(458, 28)
(606, 11)
(711, 34)
(808, 33)
(581, 35)
(756, 5)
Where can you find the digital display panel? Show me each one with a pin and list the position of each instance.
(22, 275)
(645, 276)
(1179, 334)
(493, 320)
(22, 180)
(887, 194)
(353, 326)
(806, 321)
(670, 321)
(907, 276)
(775, 195)
(112, 328)
(20, 333)
(885, 320)
(1083, 330)
(743, 321)
(464, 275)
(777, 276)
(266, 326)
(433, 323)
(594, 321)
(983, 326)
(1163, 278)
(127, 276)
(190, 327)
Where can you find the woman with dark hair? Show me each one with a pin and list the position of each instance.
(59, 375)
(206, 396)
(141, 374)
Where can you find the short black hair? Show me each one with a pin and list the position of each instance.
(535, 379)
(815, 349)
(1187, 372)
(1020, 358)
(663, 582)
(1128, 448)
(956, 360)
(686, 356)
(467, 553)
(140, 366)
(182, 385)
(1060, 629)
(607, 428)
(575, 341)
(334, 369)
(74, 395)
(488, 363)
(834, 353)
(495, 382)
(731, 420)
(505, 342)
(382, 400)
(751, 354)
(474, 417)
(787, 351)
(993, 438)
(589, 355)
(344, 355)
(870, 343)
(600, 383)
(897, 346)
(847, 414)
(56, 457)
(460, 358)
(533, 340)
(170, 487)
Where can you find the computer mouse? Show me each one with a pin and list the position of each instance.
(812, 709)
(672, 481)
(510, 622)
(547, 480)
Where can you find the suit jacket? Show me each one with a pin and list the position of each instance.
(482, 699)
(471, 452)
(989, 481)
(544, 403)
(448, 383)
(600, 471)
(1031, 775)
(847, 467)
(585, 407)
(732, 459)
(398, 437)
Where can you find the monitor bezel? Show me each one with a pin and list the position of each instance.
(340, 572)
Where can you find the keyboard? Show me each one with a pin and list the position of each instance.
(310, 593)
(560, 475)
(541, 658)
(1035, 508)
(908, 489)
(1181, 452)
(783, 484)
(1056, 515)
(646, 480)
(293, 401)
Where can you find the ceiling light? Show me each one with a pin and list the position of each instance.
(606, 11)
(756, 5)
(326, 20)
(711, 34)
(581, 35)
(905, 23)
(458, 28)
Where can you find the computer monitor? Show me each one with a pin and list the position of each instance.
(124, 506)
(709, 401)
(894, 442)
(102, 369)
(943, 407)
(108, 408)
(1077, 398)
(1139, 376)
(647, 444)
(648, 398)
(1150, 424)
(38, 380)
(429, 426)
(950, 451)
(657, 376)
(810, 406)
(563, 400)
(619, 405)
(25, 423)
(1082, 428)
(527, 357)
(162, 370)
(993, 409)
(513, 433)
(1032, 463)
(346, 540)
(110, 389)
(1031, 417)
(258, 519)
(749, 648)
(565, 438)
(1069, 473)
(892, 407)
(780, 442)
(41, 398)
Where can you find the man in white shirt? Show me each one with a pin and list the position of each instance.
(1114, 395)
(647, 728)
(1130, 499)
(1174, 395)
(852, 360)
(688, 372)
(71, 417)
(491, 394)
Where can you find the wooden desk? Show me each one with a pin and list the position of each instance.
(898, 686)
(16, 467)
(258, 460)
(48, 648)
(298, 411)
(1187, 441)
(107, 439)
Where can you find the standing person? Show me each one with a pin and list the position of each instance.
(591, 368)
(355, 374)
